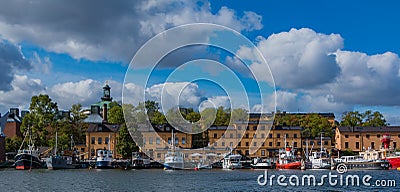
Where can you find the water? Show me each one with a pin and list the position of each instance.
(160, 180)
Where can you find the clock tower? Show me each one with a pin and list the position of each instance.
(106, 93)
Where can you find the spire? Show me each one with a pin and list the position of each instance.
(106, 93)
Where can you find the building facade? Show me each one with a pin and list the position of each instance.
(360, 138)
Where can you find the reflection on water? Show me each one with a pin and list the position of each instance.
(159, 180)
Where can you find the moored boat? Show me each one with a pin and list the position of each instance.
(173, 158)
(232, 161)
(287, 159)
(259, 163)
(140, 160)
(27, 158)
(104, 159)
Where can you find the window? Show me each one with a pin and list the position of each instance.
(295, 144)
(255, 144)
(247, 135)
(270, 144)
(183, 140)
(325, 142)
(346, 144)
(357, 145)
(394, 145)
(263, 135)
(357, 136)
(247, 128)
(255, 136)
(239, 127)
(107, 140)
(278, 135)
(262, 152)
(239, 144)
(372, 145)
(215, 135)
(311, 142)
(231, 144)
(346, 136)
(398, 135)
(158, 155)
(247, 152)
(93, 140)
(176, 141)
(92, 152)
(247, 143)
(169, 140)
(287, 143)
(278, 144)
(254, 127)
(157, 141)
(263, 144)
(239, 135)
(287, 135)
(99, 140)
(319, 143)
(304, 143)
(263, 127)
(367, 136)
(151, 140)
(144, 140)
(270, 135)
(295, 135)
(223, 144)
(378, 135)
(231, 135)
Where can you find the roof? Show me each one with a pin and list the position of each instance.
(286, 128)
(94, 118)
(93, 127)
(13, 118)
(3, 122)
(370, 129)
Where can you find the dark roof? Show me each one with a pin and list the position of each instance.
(13, 118)
(303, 114)
(286, 128)
(3, 121)
(94, 118)
(260, 115)
(94, 127)
(370, 129)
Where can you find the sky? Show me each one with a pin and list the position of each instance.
(322, 56)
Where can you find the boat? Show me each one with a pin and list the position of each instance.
(173, 158)
(104, 158)
(359, 162)
(140, 160)
(27, 159)
(287, 159)
(67, 160)
(259, 163)
(317, 159)
(232, 161)
(391, 156)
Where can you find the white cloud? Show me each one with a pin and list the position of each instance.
(23, 88)
(87, 30)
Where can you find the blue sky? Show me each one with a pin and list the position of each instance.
(324, 56)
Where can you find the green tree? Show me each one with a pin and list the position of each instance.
(13, 144)
(43, 113)
(158, 118)
(240, 114)
(352, 119)
(116, 115)
(313, 125)
(79, 127)
(222, 117)
(374, 119)
(125, 144)
(193, 117)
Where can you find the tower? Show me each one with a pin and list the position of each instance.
(106, 93)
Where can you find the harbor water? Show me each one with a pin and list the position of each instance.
(183, 180)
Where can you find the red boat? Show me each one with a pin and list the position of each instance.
(287, 159)
(394, 159)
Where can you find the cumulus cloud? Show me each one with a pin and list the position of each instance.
(112, 34)
(298, 59)
(23, 88)
(11, 61)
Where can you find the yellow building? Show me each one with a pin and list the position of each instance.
(101, 136)
(361, 138)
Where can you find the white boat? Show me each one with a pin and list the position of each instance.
(104, 158)
(259, 163)
(232, 161)
(319, 160)
(174, 158)
(140, 160)
(358, 162)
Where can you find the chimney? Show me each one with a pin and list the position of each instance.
(14, 111)
(105, 113)
(23, 113)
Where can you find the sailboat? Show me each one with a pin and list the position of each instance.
(27, 158)
(104, 158)
(173, 158)
(64, 161)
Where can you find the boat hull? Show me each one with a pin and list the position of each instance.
(26, 161)
(365, 165)
(54, 163)
(394, 162)
(174, 166)
(104, 165)
(292, 165)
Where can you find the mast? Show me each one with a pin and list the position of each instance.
(173, 140)
(55, 149)
(109, 141)
(321, 143)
